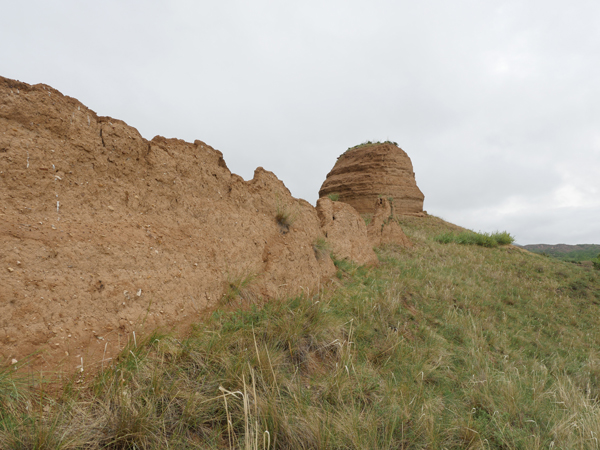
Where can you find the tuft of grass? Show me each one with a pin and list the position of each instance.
(345, 267)
(239, 287)
(284, 218)
(334, 197)
(321, 248)
(11, 390)
(471, 238)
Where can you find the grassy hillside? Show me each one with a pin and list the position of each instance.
(441, 346)
(564, 252)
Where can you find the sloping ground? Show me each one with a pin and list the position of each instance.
(440, 346)
(103, 233)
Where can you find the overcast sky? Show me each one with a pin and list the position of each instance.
(496, 103)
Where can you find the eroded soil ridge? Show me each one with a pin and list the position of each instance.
(367, 172)
(104, 233)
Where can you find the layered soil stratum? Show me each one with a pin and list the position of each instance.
(104, 234)
(368, 172)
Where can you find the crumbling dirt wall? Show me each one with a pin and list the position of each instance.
(103, 233)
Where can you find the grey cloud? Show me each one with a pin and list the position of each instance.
(496, 103)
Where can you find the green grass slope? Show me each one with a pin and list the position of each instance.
(441, 346)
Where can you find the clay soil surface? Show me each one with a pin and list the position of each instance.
(105, 235)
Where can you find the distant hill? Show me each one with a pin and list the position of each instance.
(565, 252)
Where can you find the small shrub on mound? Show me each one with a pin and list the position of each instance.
(503, 238)
(373, 143)
(364, 144)
(471, 238)
(597, 262)
(334, 197)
